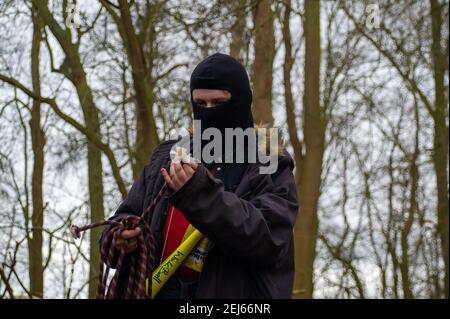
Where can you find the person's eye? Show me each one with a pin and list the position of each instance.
(219, 102)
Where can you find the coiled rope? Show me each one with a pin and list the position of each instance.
(141, 264)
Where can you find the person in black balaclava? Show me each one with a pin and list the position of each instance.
(221, 98)
(222, 72)
(246, 217)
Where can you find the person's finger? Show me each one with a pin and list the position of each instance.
(131, 247)
(177, 166)
(127, 234)
(130, 244)
(181, 178)
(172, 170)
(176, 183)
(167, 178)
(180, 173)
(188, 170)
(193, 165)
(165, 174)
(119, 243)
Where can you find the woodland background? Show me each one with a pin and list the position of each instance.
(359, 88)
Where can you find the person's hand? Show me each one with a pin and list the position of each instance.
(179, 174)
(128, 240)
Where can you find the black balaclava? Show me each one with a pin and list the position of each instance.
(222, 72)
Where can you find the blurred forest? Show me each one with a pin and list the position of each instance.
(359, 88)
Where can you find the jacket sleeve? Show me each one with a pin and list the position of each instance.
(258, 230)
(134, 202)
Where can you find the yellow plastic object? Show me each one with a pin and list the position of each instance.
(173, 262)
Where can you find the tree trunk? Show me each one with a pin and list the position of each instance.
(95, 168)
(263, 64)
(414, 175)
(74, 71)
(36, 270)
(440, 155)
(237, 30)
(288, 97)
(290, 106)
(146, 134)
(314, 131)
